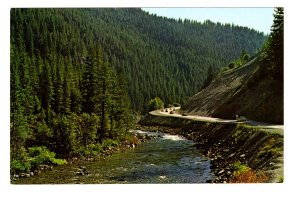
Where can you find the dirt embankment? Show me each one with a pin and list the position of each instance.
(226, 144)
(249, 90)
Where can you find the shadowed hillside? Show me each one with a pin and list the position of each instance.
(249, 91)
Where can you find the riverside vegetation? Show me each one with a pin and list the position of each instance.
(80, 77)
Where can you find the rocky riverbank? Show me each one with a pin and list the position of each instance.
(134, 141)
(227, 145)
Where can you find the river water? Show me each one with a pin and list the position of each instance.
(169, 159)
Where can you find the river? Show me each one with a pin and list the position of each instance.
(168, 159)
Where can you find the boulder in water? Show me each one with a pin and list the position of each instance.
(82, 171)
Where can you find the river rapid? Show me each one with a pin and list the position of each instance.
(167, 159)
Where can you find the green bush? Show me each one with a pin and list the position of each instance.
(231, 65)
(155, 104)
(96, 147)
(80, 151)
(106, 143)
(239, 167)
(90, 150)
(20, 163)
(41, 155)
(17, 166)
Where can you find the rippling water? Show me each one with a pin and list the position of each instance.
(170, 159)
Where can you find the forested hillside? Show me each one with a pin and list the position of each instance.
(159, 57)
(254, 90)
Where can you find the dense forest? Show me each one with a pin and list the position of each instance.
(77, 75)
(160, 57)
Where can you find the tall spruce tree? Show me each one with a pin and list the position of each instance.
(19, 129)
(275, 42)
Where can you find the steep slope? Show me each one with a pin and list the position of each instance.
(250, 91)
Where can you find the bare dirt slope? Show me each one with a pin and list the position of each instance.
(249, 91)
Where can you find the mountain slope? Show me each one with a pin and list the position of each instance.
(159, 56)
(250, 91)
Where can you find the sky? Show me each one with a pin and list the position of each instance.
(260, 19)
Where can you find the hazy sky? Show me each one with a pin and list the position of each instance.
(260, 19)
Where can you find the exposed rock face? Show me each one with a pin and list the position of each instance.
(247, 91)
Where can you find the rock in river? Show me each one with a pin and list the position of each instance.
(82, 171)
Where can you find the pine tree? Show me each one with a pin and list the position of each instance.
(90, 84)
(19, 129)
(58, 105)
(65, 134)
(105, 98)
(120, 107)
(67, 84)
(276, 41)
(88, 128)
(46, 90)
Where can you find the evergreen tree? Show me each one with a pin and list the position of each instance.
(46, 90)
(88, 128)
(19, 129)
(244, 57)
(90, 84)
(58, 88)
(105, 98)
(275, 42)
(65, 134)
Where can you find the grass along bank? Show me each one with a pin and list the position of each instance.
(258, 152)
(40, 159)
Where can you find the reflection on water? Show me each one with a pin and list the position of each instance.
(170, 159)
